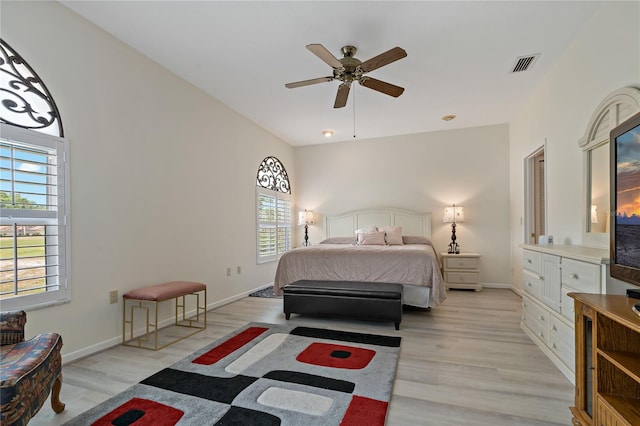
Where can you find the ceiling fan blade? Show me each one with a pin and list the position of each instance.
(308, 82)
(342, 95)
(321, 52)
(382, 86)
(383, 59)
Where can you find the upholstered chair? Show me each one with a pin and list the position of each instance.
(29, 370)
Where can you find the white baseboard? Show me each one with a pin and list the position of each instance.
(115, 341)
(495, 285)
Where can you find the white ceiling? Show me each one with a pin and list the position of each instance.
(459, 57)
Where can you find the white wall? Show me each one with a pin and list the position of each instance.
(163, 176)
(423, 172)
(604, 56)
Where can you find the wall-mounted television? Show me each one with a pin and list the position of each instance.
(625, 200)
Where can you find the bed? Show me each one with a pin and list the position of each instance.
(411, 261)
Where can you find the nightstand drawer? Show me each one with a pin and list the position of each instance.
(461, 263)
(460, 277)
(581, 276)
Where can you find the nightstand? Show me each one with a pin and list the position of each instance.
(461, 271)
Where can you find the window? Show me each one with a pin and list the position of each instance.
(34, 230)
(273, 207)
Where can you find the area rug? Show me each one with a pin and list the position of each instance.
(265, 374)
(265, 292)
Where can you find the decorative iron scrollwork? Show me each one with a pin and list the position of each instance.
(272, 175)
(26, 102)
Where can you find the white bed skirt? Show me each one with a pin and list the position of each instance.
(416, 295)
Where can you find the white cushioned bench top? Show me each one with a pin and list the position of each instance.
(165, 291)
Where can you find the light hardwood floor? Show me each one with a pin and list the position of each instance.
(465, 362)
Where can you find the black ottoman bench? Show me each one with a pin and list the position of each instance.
(362, 300)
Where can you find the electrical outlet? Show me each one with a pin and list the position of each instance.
(113, 296)
(228, 272)
(239, 270)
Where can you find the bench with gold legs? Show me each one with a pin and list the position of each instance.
(146, 299)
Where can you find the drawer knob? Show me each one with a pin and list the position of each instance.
(541, 318)
(529, 284)
(554, 346)
(555, 329)
(528, 260)
(574, 276)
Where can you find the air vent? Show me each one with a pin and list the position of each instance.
(523, 63)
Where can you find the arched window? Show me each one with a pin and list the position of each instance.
(273, 210)
(34, 196)
(26, 102)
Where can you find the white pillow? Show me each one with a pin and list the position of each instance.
(393, 234)
(371, 238)
(364, 231)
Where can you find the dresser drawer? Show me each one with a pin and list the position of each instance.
(461, 262)
(562, 331)
(536, 318)
(533, 310)
(460, 277)
(581, 276)
(563, 351)
(536, 327)
(531, 261)
(567, 305)
(532, 283)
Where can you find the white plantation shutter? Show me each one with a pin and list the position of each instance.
(33, 223)
(274, 224)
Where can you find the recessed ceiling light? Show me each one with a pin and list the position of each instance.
(449, 117)
(327, 133)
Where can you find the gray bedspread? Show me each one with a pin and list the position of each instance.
(409, 264)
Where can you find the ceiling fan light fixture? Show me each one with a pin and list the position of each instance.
(349, 69)
(449, 117)
(327, 133)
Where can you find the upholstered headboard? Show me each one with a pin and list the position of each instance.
(345, 224)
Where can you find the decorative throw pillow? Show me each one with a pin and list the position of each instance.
(371, 238)
(393, 234)
(366, 230)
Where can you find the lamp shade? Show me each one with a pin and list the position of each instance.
(305, 217)
(453, 214)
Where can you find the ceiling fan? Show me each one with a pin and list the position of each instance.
(349, 69)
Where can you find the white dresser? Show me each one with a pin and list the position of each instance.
(550, 272)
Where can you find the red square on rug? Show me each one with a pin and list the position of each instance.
(229, 346)
(336, 356)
